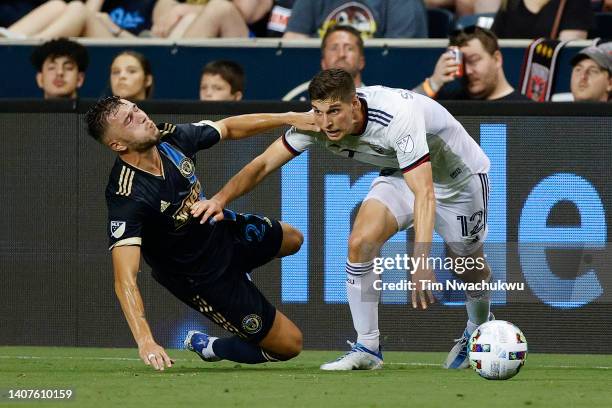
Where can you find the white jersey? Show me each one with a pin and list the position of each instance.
(403, 130)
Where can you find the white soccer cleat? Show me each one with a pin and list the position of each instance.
(458, 356)
(359, 358)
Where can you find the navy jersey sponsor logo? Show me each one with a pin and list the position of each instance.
(183, 214)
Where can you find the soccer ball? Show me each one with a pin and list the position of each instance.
(497, 350)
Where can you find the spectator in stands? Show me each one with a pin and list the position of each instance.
(131, 77)
(61, 66)
(91, 18)
(48, 20)
(535, 18)
(592, 74)
(373, 18)
(466, 7)
(341, 47)
(483, 72)
(215, 18)
(222, 81)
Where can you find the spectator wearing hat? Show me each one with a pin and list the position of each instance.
(592, 73)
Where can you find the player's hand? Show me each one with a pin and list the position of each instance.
(444, 72)
(207, 209)
(421, 295)
(154, 355)
(303, 121)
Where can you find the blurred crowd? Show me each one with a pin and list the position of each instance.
(292, 19)
(473, 59)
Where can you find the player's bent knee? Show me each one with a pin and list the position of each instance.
(284, 341)
(292, 347)
(292, 240)
(361, 247)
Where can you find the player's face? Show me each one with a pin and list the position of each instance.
(481, 69)
(342, 51)
(60, 78)
(590, 82)
(335, 118)
(131, 129)
(214, 88)
(128, 79)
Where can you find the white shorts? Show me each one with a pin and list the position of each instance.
(461, 220)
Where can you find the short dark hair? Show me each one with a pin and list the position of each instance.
(487, 38)
(230, 71)
(332, 84)
(97, 116)
(145, 65)
(347, 28)
(61, 47)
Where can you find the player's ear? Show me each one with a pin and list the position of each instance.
(238, 96)
(116, 146)
(499, 58)
(80, 79)
(39, 79)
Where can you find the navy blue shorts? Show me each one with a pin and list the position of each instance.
(231, 299)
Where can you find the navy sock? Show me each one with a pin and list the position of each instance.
(235, 349)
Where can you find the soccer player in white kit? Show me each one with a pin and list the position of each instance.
(433, 176)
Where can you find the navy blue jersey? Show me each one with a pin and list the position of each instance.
(154, 211)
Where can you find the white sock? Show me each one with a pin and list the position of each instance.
(478, 305)
(363, 300)
(208, 350)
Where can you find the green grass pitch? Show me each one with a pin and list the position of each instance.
(117, 378)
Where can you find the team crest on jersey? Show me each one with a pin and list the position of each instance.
(117, 229)
(252, 323)
(406, 144)
(186, 167)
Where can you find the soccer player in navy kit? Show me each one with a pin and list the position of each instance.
(150, 192)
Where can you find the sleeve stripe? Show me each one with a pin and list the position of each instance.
(416, 164)
(214, 126)
(127, 242)
(290, 148)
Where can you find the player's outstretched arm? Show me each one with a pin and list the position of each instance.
(242, 126)
(126, 263)
(420, 181)
(244, 181)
